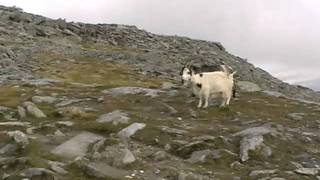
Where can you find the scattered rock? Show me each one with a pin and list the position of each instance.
(247, 144)
(246, 86)
(131, 130)
(22, 112)
(117, 155)
(19, 137)
(132, 90)
(262, 172)
(34, 110)
(73, 112)
(17, 124)
(9, 149)
(200, 156)
(295, 116)
(32, 172)
(160, 156)
(307, 171)
(57, 167)
(115, 117)
(173, 130)
(44, 99)
(76, 146)
(65, 123)
(59, 133)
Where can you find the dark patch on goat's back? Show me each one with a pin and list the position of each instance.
(199, 85)
(201, 74)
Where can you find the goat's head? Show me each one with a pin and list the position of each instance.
(186, 73)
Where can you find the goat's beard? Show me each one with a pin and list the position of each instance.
(185, 83)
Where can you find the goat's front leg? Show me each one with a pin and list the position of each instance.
(206, 99)
(200, 101)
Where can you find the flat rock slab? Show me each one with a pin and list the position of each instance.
(76, 146)
(254, 131)
(132, 90)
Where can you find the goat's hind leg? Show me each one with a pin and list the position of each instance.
(200, 101)
(224, 100)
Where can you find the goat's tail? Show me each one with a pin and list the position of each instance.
(225, 69)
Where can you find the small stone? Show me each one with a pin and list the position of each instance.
(100, 99)
(44, 99)
(173, 130)
(9, 149)
(266, 151)
(160, 156)
(236, 165)
(199, 156)
(59, 133)
(128, 157)
(34, 110)
(114, 117)
(131, 130)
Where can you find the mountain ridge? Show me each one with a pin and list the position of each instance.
(178, 49)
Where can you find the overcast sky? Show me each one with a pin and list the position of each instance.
(280, 36)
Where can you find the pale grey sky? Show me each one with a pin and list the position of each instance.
(280, 36)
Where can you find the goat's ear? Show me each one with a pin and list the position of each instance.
(191, 71)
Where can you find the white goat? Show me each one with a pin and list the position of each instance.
(210, 84)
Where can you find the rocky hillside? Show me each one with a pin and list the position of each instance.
(83, 101)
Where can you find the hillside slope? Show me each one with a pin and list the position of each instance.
(82, 101)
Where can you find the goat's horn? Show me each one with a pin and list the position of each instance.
(185, 64)
(190, 63)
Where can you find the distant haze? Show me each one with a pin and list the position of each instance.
(280, 36)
